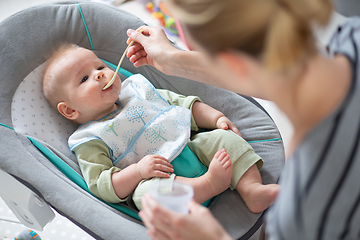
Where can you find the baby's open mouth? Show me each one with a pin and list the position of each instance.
(108, 84)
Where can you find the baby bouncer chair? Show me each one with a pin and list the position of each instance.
(36, 168)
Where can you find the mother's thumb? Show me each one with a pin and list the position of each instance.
(133, 35)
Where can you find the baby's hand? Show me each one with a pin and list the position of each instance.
(224, 123)
(154, 166)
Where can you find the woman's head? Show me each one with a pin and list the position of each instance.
(277, 32)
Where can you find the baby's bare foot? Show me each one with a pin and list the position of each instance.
(218, 175)
(261, 196)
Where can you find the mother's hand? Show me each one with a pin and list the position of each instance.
(164, 224)
(151, 47)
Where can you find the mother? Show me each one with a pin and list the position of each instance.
(266, 49)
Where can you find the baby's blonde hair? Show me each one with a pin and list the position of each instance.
(277, 32)
(52, 87)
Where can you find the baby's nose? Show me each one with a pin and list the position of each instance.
(100, 75)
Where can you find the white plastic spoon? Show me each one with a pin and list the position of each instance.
(118, 66)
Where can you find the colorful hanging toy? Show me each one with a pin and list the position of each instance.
(28, 235)
(159, 11)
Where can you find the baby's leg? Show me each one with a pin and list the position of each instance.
(245, 162)
(214, 181)
(143, 187)
(257, 196)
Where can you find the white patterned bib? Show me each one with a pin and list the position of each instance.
(144, 124)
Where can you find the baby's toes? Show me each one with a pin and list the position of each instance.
(219, 153)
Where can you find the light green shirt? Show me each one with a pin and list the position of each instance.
(94, 156)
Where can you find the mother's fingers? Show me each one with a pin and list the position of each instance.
(135, 48)
(153, 213)
(135, 35)
(154, 216)
(139, 56)
(157, 235)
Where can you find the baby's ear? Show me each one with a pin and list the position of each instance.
(67, 111)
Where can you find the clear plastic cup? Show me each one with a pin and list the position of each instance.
(173, 195)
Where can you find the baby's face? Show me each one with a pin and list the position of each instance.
(84, 76)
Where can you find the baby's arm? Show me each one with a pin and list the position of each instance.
(109, 182)
(210, 118)
(203, 115)
(125, 181)
(96, 167)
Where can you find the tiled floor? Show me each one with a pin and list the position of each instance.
(61, 228)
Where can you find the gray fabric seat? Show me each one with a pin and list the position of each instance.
(30, 35)
(348, 8)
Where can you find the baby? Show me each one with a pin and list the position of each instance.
(131, 132)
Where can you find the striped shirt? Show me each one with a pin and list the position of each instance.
(320, 183)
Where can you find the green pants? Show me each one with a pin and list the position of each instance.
(205, 145)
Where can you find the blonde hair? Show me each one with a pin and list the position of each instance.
(277, 32)
(51, 86)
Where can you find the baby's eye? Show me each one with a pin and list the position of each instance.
(100, 68)
(84, 79)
